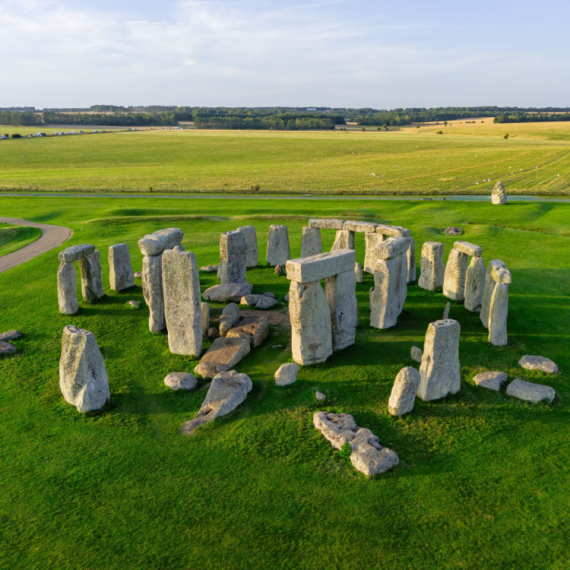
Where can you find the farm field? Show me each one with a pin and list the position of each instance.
(483, 478)
(15, 237)
(466, 159)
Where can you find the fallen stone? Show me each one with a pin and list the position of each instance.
(446, 311)
(311, 243)
(327, 224)
(157, 242)
(416, 354)
(453, 231)
(251, 250)
(250, 300)
(269, 294)
(133, 304)
(180, 381)
(227, 391)
(344, 239)
(253, 329)
(266, 303)
(213, 333)
(279, 270)
(6, 347)
(468, 248)
(232, 292)
(286, 374)
(320, 396)
(67, 289)
(120, 269)
(491, 380)
(432, 267)
(232, 258)
(499, 195)
(205, 318)
(228, 318)
(209, 268)
(10, 335)
(91, 277)
(358, 272)
(530, 392)
(404, 392)
(318, 267)
(75, 253)
(138, 275)
(540, 363)
(278, 245)
(222, 356)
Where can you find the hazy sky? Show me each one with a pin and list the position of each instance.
(332, 52)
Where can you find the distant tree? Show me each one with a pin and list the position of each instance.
(506, 136)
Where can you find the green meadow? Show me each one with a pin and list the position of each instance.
(15, 237)
(483, 480)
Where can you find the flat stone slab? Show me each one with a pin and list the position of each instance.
(327, 224)
(209, 268)
(286, 374)
(11, 335)
(180, 381)
(468, 248)
(394, 231)
(530, 392)
(76, 252)
(231, 292)
(157, 242)
(317, 267)
(539, 363)
(491, 380)
(7, 348)
(252, 329)
(222, 356)
(360, 227)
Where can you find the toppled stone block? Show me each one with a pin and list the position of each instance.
(453, 231)
(253, 329)
(250, 300)
(11, 335)
(75, 253)
(209, 268)
(530, 392)
(232, 292)
(7, 348)
(318, 267)
(229, 318)
(404, 392)
(222, 356)
(157, 242)
(320, 396)
(286, 374)
(180, 381)
(491, 380)
(540, 363)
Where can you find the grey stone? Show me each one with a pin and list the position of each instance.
(318, 267)
(286, 374)
(446, 311)
(269, 294)
(227, 391)
(67, 289)
(440, 361)
(11, 335)
(222, 356)
(205, 318)
(229, 318)
(311, 243)
(489, 287)
(180, 381)
(82, 376)
(385, 296)
(539, 363)
(278, 245)
(498, 314)
(453, 231)
(393, 247)
(7, 348)
(360, 227)
(416, 354)
(120, 269)
(266, 303)
(432, 267)
(491, 380)
(232, 258)
(251, 250)
(250, 300)
(499, 195)
(394, 231)
(411, 255)
(133, 304)
(327, 224)
(91, 277)
(209, 268)
(455, 275)
(344, 239)
(404, 392)
(358, 272)
(152, 291)
(75, 253)
(320, 396)
(475, 284)
(279, 270)
(253, 329)
(232, 292)
(500, 274)
(286, 298)
(372, 240)
(468, 248)
(530, 392)
(155, 243)
(338, 429)
(340, 291)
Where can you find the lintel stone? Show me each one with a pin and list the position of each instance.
(317, 267)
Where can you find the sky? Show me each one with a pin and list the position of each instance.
(336, 53)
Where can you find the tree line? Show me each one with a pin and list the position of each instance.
(275, 122)
(531, 117)
(20, 118)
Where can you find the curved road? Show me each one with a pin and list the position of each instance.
(51, 237)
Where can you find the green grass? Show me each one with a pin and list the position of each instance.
(15, 237)
(483, 480)
(411, 161)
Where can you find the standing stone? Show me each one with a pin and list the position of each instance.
(384, 298)
(182, 304)
(370, 259)
(498, 315)
(493, 266)
(432, 267)
(67, 289)
(499, 196)
(446, 311)
(403, 280)
(232, 258)
(121, 274)
(251, 250)
(311, 334)
(411, 255)
(474, 284)
(205, 318)
(455, 273)
(152, 291)
(340, 291)
(439, 370)
(344, 240)
(82, 377)
(91, 277)
(311, 242)
(278, 251)
(358, 272)
(404, 392)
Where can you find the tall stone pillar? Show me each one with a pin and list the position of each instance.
(278, 252)
(251, 250)
(498, 315)
(411, 256)
(340, 291)
(232, 258)
(311, 243)
(121, 274)
(372, 240)
(67, 289)
(495, 266)
(474, 284)
(91, 277)
(344, 240)
(432, 267)
(455, 273)
(384, 298)
(152, 291)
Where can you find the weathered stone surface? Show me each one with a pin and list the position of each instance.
(67, 289)
(530, 392)
(373, 240)
(416, 354)
(253, 329)
(411, 255)
(278, 251)
(403, 283)
(446, 311)
(339, 429)
(227, 391)
(286, 374)
(229, 318)
(152, 291)
(311, 334)
(468, 248)
(501, 274)
(494, 265)
(475, 284)
(491, 380)
(320, 396)
(7, 348)
(404, 392)
(75, 253)
(269, 294)
(266, 303)
(279, 270)
(344, 239)
(540, 363)
(232, 258)
(327, 224)
(251, 252)
(82, 377)
(11, 335)
(155, 243)
(120, 269)
(91, 277)
(286, 298)
(360, 227)
(133, 304)
(440, 361)
(385, 296)
(311, 243)
(209, 268)
(394, 231)
(455, 274)
(432, 267)
(222, 356)
(138, 275)
(182, 304)
(205, 318)
(498, 314)
(499, 195)
(358, 272)
(318, 267)
(232, 292)
(340, 291)
(393, 247)
(180, 381)
(250, 300)
(453, 231)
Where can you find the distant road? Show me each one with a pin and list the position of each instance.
(51, 237)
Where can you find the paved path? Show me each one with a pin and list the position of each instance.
(52, 236)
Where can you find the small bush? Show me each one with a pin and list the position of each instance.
(506, 136)
(15, 136)
(439, 133)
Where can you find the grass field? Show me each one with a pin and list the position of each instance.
(466, 159)
(483, 480)
(15, 237)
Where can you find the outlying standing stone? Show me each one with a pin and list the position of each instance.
(491, 380)
(180, 381)
(286, 374)
(530, 392)
(228, 318)
(499, 196)
(222, 356)
(278, 246)
(120, 269)
(311, 243)
(251, 253)
(432, 267)
(404, 392)
(540, 363)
